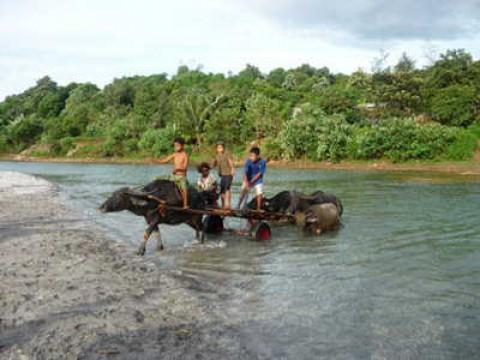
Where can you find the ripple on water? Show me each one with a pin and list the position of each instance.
(399, 280)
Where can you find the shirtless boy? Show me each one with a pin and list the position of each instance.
(180, 165)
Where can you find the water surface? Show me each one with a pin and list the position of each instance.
(400, 280)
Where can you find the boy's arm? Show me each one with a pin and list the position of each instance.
(255, 178)
(232, 165)
(185, 162)
(164, 160)
(214, 180)
(263, 168)
(244, 175)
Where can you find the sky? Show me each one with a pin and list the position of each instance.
(99, 40)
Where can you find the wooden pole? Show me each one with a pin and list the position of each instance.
(245, 214)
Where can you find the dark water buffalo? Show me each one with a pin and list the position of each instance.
(315, 213)
(291, 202)
(138, 202)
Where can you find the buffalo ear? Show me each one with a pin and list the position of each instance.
(138, 202)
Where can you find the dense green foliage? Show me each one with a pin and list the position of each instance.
(400, 114)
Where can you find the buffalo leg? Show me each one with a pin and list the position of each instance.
(197, 224)
(200, 235)
(146, 235)
(143, 244)
(159, 239)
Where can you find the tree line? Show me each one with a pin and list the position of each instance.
(399, 113)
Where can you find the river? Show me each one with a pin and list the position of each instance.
(400, 279)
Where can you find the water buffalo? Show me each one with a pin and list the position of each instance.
(315, 213)
(291, 202)
(139, 203)
(318, 218)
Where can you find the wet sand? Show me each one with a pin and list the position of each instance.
(69, 292)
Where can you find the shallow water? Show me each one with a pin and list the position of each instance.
(401, 279)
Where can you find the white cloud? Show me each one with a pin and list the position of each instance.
(98, 40)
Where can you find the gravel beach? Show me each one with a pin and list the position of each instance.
(69, 292)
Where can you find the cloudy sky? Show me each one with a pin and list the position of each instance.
(97, 40)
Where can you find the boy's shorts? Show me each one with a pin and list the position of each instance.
(225, 183)
(180, 181)
(258, 189)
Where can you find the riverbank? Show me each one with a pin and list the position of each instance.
(471, 167)
(69, 292)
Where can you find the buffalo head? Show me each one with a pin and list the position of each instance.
(317, 219)
(123, 199)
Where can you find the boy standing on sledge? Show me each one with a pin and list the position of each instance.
(226, 170)
(180, 166)
(253, 173)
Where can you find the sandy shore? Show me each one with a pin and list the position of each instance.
(68, 292)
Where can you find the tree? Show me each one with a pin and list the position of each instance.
(24, 131)
(250, 73)
(204, 107)
(339, 99)
(405, 64)
(276, 77)
(228, 124)
(400, 92)
(263, 115)
(456, 105)
(196, 106)
(81, 109)
(379, 62)
(450, 69)
(152, 100)
(120, 93)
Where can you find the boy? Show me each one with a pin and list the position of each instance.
(207, 184)
(180, 165)
(226, 171)
(254, 170)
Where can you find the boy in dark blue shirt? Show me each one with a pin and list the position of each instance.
(253, 173)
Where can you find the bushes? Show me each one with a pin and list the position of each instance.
(463, 147)
(24, 131)
(334, 134)
(402, 139)
(62, 147)
(272, 148)
(157, 142)
(123, 136)
(316, 135)
(465, 144)
(322, 137)
(475, 130)
(299, 135)
(455, 105)
(3, 143)
(110, 148)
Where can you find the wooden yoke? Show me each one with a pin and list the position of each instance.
(244, 214)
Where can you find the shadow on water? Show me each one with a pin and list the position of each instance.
(399, 280)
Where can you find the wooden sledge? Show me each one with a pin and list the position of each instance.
(260, 231)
